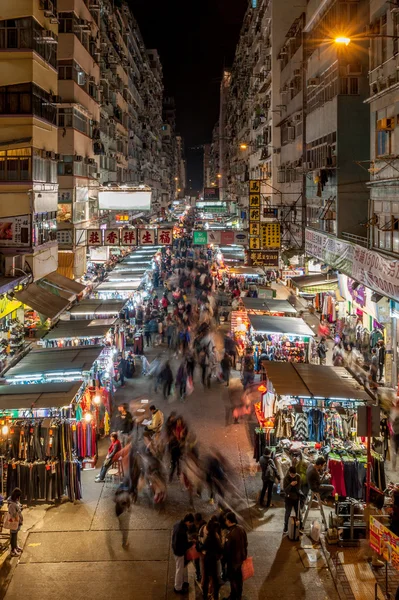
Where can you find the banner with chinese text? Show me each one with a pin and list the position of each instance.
(146, 237)
(262, 258)
(94, 237)
(384, 541)
(165, 236)
(111, 237)
(129, 237)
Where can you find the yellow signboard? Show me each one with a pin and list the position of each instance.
(384, 542)
(254, 186)
(254, 243)
(8, 306)
(254, 228)
(254, 200)
(270, 235)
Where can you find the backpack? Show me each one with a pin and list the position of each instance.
(269, 473)
(249, 364)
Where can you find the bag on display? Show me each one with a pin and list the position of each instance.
(315, 531)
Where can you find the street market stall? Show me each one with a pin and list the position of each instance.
(42, 444)
(277, 338)
(81, 333)
(115, 289)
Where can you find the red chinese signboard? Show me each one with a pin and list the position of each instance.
(147, 237)
(111, 237)
(165, 236)
(94, 237)
(129, 237)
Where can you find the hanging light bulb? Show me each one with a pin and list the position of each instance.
(88, 417)
(97, 399)
(5, 430)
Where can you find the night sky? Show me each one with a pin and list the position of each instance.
(195, 40)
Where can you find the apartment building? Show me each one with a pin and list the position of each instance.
(181, 168)
(78, 129)
(28, 138)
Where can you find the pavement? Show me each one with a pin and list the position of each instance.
(75, 550)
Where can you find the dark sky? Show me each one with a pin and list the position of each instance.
(195, 40)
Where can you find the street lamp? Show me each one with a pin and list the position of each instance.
(342, 40)
(243, 146)
(219, 176)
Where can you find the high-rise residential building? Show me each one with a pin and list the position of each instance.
(181, 167)
(28, 137)
(169, 147)
(78, 129)
(207, 166)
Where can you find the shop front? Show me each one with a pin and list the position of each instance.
(272, 307)
(281, 339)
(95, 309)
(321, 291)
(43, 444)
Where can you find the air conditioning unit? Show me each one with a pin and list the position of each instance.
(84, 25)
(297, 118)
(50, 154)
(297, 72)
(78, 158)
(309, 166)
(354, 69)
(394, 6)
(12, 264)
(313, 82)
(91, 161)
(59, 157)
(291, 133)
(47, 36)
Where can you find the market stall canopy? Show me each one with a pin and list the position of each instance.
(298, 379)
(125, 276)
(61, 286)
(38, 395)
(269, 305)
(139, 267)
(118, 286)
(280, 325)
(315, 283)
(78, 329)
(97, 307)
(42, 301)
(51, 361)
(246, 271)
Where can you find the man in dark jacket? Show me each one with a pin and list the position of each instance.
(124, 423)
(292, 488)
(314, 481)
(180, 545)
(269, 474)
(235, 552)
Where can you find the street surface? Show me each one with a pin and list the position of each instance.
(75, 551)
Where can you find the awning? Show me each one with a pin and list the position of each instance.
(280, 325)
(59, 282)
(266, 305)
(246, 271)
(78, 329)
(140, 267)
(41, 395)
(315, 283)
(42, 301)
(53, 362)
(294, 379)
(117, 286)
(97, 307)
(125, 276)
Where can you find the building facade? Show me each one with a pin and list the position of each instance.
(28, 138)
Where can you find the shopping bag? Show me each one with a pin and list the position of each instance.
(293, 529)
(192, 554)
(247, 568)
(10, 523)
(189, 386)
(315, 531)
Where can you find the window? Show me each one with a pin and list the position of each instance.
(66, 22)
(15, 165)
(26, 33)
(27, 99)
(70, 117)
(383, 142)
(349, 86)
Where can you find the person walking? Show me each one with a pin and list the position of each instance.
(15, 520)
(292, 489)
(248, 368)
(212, 549)
(166, 376)
(225, 365)
(322, 351)
(147, 333)
(112, 450)
(180, 545)
(156, 422)
(381, 359)
(124, 424)
(181, 378)
(269, 474)
(235, 553)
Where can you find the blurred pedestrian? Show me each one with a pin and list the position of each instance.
(212, 549)
(292, 490)
(166, 376)
(180, 545)
(124, 423)
(225, 365)
(269, 475)
(248, 368)
(13, 520)
(235, 553)
(114, 447)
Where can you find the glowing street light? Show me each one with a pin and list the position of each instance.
(243, 146)
(342, 40)
(219, 176)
